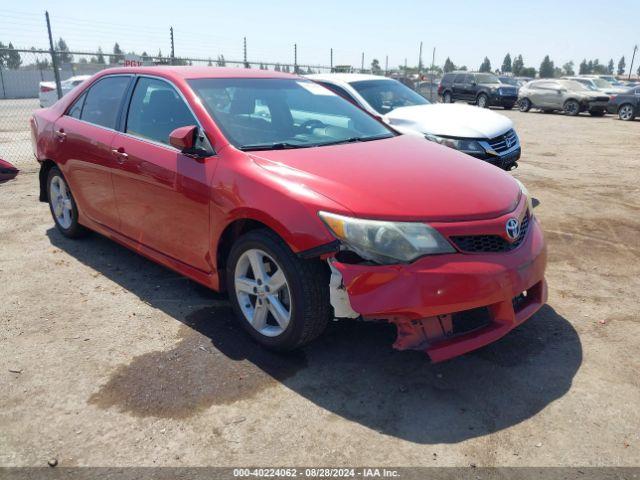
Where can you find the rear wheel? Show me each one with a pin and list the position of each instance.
(626, 112)
(525, 105)
(571, 107)
(63, 206)
(446, 98)
(483, 100)
(281, 300)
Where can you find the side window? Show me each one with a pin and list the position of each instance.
(103, 101)
(460, 78)
(339, 91)
(156, 110)
(76, 108)
(447, 79)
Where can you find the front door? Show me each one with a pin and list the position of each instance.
(162, 195)
(83, 141)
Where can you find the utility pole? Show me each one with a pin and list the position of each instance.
(54, 60)
(386, 65)
(244, 49)
(173, 51)
(362, 63)
(331, 60)
(295, 58)
(635, 49)
(405, 67)
(420, 60)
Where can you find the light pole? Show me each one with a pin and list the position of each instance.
(635, 49)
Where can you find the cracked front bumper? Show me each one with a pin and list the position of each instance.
(424, 298)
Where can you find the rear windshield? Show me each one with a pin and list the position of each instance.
(387, 95)
(270, 113)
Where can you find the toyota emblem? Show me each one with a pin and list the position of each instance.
(513, 228)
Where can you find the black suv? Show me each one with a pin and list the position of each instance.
(483, 89)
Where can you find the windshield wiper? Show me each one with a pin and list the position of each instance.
(357, 139)
(273, 146)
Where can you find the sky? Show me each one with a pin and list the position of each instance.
(464, 30)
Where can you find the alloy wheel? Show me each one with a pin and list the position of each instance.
(60, 198)
(263, 293)
(482, 101)
(626, 112)
(572, 107)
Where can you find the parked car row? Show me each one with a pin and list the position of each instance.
(482, 89)
(48, 93)
(302, 204)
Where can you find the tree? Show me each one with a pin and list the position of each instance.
(567, 69)
(622, 66)
(590, 66)
(100, 57)
(277, 68)
(506, 63)
(13, 58)
(449, 66)
(4, 54)
(118, 55)
(546, 67)
(63, 52)
(528, 72)
(375, 67)
(598, 68)
(518, 65)
(486, 65)
(463, 68)
(221, 61)
(610, 67)
(584, 67)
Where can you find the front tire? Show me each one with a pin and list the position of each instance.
(525, 105)
(62, 205)
(626, 112)
(281, 300)
(482, 101)
(571, 108)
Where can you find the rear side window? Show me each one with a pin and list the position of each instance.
(103, 101)
(460, 78)
(156, 110)
(448, 78)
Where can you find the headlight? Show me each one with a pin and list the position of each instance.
(466, 146)
(386, 242)
(525, 192)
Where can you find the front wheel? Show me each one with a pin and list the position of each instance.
(524, 105)
(571, 107)
(62, 205)
(281, 300)
(626, 112)
(483, 101)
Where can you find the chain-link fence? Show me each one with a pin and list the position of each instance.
(28, 82)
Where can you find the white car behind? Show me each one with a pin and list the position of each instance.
(48, 94)
(475, 131)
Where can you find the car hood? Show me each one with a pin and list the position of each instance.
(400, 178)
(450, 120)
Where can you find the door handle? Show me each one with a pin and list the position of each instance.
(61, 135)
(120, 154)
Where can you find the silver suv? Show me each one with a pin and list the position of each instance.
(562, 95)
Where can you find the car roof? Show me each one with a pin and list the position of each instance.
(190, 72)
(345, 77)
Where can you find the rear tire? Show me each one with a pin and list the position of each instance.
(281, 317)
(482, 101)
(63, 206)
(525, 105)
(571, 108)
(627, 112)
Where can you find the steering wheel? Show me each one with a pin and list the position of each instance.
(310, 124)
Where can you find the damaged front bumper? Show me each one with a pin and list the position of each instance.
(450, 304)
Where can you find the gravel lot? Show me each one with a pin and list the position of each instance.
(108, 359)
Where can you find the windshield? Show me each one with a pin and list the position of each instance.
(600, 83)
(387, 95)
(486, 78)
(585, 83)
(509, 81)
(270, 113)
(575, 85)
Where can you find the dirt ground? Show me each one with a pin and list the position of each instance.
(107, 359)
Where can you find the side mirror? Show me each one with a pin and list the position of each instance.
(184, 138)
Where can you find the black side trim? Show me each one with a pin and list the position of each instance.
(320, 250)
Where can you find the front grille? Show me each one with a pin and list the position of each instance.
(490, 243)
(470, 320)
(504, 142)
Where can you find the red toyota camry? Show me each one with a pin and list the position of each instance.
(297, 203)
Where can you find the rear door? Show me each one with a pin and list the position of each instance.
(162, 195)
(459, 86)
(84, 135)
